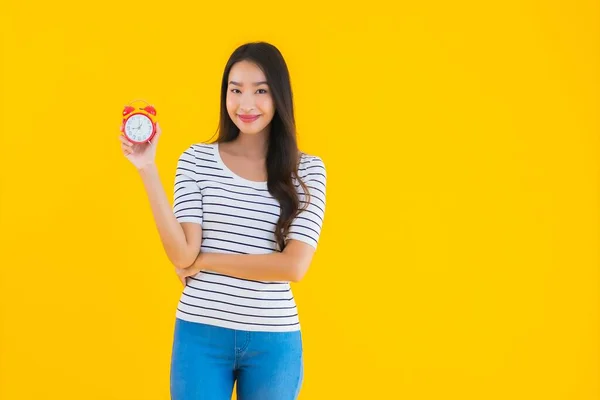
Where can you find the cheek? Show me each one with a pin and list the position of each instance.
(230, 101)
(231, 104)
(266, 105)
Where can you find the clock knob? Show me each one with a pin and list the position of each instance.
(128, 109)
(150, 110)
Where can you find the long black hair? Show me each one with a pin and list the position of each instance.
(283, 155)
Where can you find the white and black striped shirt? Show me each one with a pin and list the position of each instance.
(238, 216)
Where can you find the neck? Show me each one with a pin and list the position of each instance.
(252, 145)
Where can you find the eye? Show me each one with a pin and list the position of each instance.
(233, 90)
(264, 91)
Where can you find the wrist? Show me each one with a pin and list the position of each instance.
(143, 169)
(196, 266)
(199, 264)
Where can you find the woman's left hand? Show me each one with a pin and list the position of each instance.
(183, 273)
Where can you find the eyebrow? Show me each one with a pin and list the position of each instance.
(255, 83)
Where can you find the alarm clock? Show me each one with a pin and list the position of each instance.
(139, 123)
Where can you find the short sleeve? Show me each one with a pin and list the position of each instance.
(187, 198)
(307, 225)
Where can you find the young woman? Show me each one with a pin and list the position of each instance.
(245, 222)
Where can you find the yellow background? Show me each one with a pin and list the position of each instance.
(460, 253)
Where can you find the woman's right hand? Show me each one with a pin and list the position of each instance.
(140, 154)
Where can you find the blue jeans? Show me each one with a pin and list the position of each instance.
(207, 360)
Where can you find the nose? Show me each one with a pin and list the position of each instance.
(247, 103)
(246, 110)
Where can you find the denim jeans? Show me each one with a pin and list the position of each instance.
(206, 361)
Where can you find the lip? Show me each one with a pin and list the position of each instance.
(248, 118)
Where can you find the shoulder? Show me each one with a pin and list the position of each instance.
(311, 166)
(195, 151)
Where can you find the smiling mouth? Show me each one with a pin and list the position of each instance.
(248, 118)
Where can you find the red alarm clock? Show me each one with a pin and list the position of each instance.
(139, 123)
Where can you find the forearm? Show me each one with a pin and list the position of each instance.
(276, 266)
(169, 229)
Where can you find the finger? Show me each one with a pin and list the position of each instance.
(156, 135)
(124, 140)
(126, 149)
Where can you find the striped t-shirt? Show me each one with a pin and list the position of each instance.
(238, 216)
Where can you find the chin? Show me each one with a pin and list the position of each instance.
(247, 131)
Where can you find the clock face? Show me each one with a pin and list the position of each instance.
(138, 127)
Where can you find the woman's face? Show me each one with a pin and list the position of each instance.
(249, 95)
